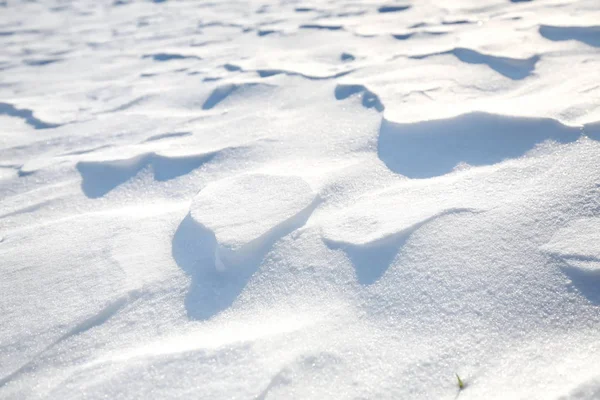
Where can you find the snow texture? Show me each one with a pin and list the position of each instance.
(249, 211)
(340, 199)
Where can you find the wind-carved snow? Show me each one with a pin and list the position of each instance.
(431, 148)
(372, 230)
(589, 35)
(222, 92)
(26, 115)
(248, 213)
(100, 177)
(513, 68)
(577, 250)
(369, 99)
(299, 200)
(372, 258)
(577, 240)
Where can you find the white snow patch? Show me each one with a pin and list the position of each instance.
(247, 212)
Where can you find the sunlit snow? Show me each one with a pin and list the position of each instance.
(300, 199)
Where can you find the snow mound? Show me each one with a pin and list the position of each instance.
(304, 200)
(576, 251)
(579, 239)
(432, 148)
(249, 212)
(589, 35)
(513, 68)
(100, 177)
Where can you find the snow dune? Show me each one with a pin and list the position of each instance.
(299, 200)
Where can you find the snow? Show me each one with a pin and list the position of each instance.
(299, 199)
(248, 212)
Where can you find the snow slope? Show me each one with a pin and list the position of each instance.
(299, 199)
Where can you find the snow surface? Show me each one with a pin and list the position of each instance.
(299, 199)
